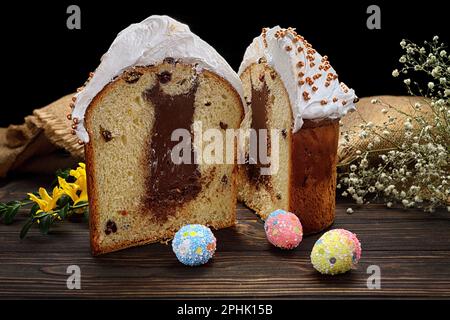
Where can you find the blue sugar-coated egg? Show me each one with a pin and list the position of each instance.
(194, 244)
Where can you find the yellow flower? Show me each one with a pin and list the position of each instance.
(70, 189)
(80, 175)
(46, 202)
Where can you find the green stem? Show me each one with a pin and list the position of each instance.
(79, 206)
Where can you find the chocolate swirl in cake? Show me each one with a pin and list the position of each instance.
(170, 185)
(260, 105)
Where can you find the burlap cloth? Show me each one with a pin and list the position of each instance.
(44, 142)
(366, 111)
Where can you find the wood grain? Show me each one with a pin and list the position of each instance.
(412, 249)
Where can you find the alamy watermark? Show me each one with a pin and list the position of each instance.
(374, 20)
(74, 280)
(212, 146)
(74, 19)
(374, 280)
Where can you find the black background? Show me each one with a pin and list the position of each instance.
(43, 60)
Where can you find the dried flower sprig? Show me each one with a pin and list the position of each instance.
(67, 201)
(413, 167)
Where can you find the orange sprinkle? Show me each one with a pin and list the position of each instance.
(306, 95)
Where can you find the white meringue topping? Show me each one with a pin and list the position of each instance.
(312, 85)
(146, 43)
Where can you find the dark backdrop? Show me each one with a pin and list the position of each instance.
(44, 60)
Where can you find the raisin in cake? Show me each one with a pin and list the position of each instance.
(156, 77)
(293, 89)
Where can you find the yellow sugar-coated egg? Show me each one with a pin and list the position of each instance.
(337, 251)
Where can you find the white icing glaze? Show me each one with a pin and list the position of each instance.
(146, 43)
(283, 50)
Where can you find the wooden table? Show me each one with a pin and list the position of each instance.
(412, 249)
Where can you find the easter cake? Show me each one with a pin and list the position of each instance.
(294, 90)
(156, 77)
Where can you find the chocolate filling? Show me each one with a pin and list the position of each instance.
(170, 185)
(260, 99)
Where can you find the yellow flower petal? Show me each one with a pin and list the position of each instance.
(69, 188)
(41, 203)
(44, 195)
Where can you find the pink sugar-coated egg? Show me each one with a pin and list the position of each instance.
(283, 229)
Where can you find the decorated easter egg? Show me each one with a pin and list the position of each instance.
(336, 251)
(194, 244)
(283, 229)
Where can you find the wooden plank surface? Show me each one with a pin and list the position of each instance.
(412, 249)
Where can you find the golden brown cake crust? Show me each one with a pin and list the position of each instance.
(313, 174)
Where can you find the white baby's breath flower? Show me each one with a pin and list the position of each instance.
(408, 125)
(349, 210)
(414, 169)
(435, 38)
(364, 163)
(344, 194)
(436, 71)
